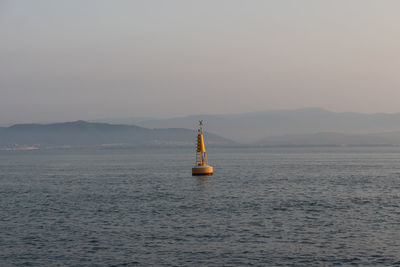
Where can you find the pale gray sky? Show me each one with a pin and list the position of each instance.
(68, 60)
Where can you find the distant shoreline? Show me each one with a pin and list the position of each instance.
(186, 146)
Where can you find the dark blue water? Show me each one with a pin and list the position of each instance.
(288, 206)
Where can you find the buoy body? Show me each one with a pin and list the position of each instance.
(202, 170)
(201, 167)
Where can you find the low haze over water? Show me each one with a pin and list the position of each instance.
(267, 206)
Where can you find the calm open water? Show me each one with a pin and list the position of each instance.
(269, 206)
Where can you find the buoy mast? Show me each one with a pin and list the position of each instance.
(201, 167)
(201, 154)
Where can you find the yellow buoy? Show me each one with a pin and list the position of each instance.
(201, 167)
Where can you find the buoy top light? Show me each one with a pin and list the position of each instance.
(201, 167)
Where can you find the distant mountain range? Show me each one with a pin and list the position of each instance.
(309, 126)
(81, 133)
(258, 126)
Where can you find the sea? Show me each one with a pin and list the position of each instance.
(267, 206)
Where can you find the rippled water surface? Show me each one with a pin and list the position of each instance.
(280, 206)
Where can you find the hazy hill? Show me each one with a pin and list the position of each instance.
(256, 126)
(125, 121)
(310, 126)
(81, 133)
(323, 139)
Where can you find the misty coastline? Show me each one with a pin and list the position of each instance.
(310, 127)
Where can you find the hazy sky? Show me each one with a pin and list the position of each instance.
(81, 59)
